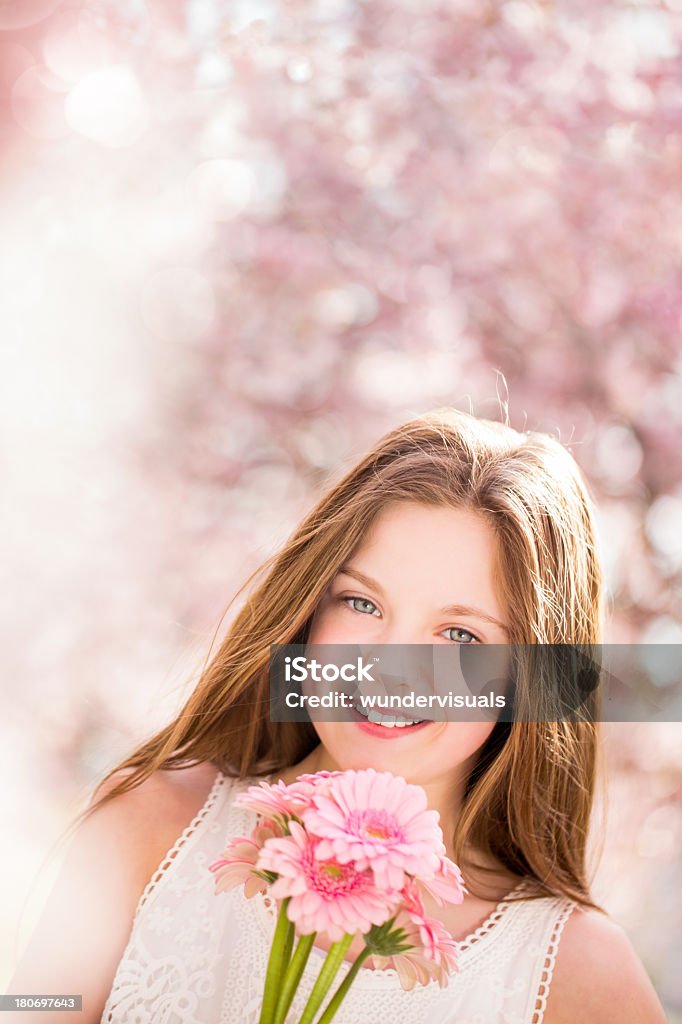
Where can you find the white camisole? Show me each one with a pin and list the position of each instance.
(194, 957)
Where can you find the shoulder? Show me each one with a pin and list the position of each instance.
(598, 977)
(154, 812)
(181, 785)
(111, 855)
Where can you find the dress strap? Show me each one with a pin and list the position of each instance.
(541, 990)
(175, 851)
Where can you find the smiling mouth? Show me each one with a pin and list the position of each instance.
(388, 721)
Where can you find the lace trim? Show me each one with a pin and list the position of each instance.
(548, 965)
(496, 915)
(174, 850)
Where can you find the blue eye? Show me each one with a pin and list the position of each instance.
(364, 600)
(456, 629)
(349, 602)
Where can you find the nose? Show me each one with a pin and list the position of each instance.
(401, 665)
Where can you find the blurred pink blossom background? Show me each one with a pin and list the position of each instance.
(238, 242)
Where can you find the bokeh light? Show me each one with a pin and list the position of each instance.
(239, 241)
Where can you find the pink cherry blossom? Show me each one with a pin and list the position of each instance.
(376, 820)
(325, 895)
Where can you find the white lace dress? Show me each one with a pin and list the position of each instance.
(194, 957)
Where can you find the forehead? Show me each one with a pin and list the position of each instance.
(418, 522)
(445, 549)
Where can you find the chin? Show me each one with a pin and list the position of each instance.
(358, 756)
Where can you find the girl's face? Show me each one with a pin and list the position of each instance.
(401, 586)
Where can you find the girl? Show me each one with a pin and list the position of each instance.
(452, 530)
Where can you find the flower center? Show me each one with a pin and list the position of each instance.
(377, 832)
(375, 825)
(329, 878)
(333, 871)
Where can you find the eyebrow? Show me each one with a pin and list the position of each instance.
(451, 609)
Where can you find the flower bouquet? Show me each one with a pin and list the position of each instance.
(348, 853)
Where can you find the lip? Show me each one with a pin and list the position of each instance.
(382, 733)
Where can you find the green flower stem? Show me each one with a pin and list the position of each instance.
(277, 964)
(332, 962)
(288, 947)
(293, 976)
(342, 990)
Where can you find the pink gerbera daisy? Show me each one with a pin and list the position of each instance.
(273, 798)
(314, 778)
(376, 820)
(447, 884)
(433, 953)
(325, 895)
(237, 863)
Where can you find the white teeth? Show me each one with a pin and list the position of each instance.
(388, 721)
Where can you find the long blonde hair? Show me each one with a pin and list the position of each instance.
(529, 798)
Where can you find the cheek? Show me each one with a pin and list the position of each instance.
(328, 625)
(321, 632)
(340, 741)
